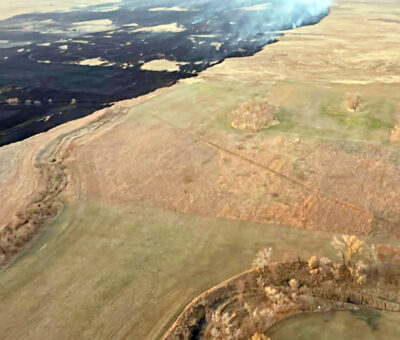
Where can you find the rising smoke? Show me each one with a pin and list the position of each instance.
(251, 16)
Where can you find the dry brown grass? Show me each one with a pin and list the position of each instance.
(395, 136)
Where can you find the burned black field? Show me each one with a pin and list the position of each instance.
(44, 80)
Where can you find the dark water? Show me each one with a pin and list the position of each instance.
(40, 53)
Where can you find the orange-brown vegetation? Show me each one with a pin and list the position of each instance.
(387, 253)
(246, 178)
(258, 336)
(254, 115)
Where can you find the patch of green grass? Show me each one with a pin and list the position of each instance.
(223, 121)
(356, 121)
(330, 120)
(369, 316)
(367, 118)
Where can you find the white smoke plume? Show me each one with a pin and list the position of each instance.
(254, 16)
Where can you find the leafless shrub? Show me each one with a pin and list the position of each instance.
(262, 259)
(323, 267)
(348, 246)
(294, 284)
(313, 264)
(358, 272)
(254, 115)
(353, 102)
(222, 326)
(259, 336)
(279, 290)
(257, 319)
(281, 300)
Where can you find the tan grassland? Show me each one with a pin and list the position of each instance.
(10, 8)
(173, 27)
(162, 65)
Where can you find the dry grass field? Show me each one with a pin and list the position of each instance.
(133, 211)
